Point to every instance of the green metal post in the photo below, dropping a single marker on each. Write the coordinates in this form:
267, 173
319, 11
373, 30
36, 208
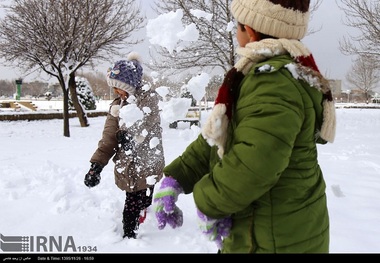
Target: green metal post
18, 88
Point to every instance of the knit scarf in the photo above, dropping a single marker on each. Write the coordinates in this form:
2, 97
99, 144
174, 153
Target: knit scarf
305, 68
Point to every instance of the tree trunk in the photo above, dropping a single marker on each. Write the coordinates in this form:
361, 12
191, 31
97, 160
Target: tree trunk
66, 125
83, 120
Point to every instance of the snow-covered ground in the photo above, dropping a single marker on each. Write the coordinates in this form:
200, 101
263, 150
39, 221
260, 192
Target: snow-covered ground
42, 191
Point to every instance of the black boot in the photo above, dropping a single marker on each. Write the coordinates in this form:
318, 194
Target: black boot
130, 224
129, 234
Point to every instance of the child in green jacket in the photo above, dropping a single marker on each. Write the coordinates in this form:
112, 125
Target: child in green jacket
254, 171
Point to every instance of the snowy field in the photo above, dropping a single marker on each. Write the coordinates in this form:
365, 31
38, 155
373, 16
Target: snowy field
42, 191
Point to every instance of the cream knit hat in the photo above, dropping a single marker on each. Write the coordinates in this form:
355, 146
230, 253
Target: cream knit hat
277, 18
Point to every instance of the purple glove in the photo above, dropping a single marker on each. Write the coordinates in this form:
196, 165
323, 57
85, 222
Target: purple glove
165, 207
214, 229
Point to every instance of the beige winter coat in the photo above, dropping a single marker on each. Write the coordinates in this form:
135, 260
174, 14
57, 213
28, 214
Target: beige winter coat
141, 167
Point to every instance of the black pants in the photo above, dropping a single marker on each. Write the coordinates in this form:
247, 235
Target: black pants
134, 204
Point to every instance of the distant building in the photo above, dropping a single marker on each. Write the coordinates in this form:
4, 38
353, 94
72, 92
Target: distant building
352, 95
336, 87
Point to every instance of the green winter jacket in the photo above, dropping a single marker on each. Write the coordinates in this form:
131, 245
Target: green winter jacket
268, 180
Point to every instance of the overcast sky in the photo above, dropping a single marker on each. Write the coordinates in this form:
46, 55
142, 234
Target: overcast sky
324, 44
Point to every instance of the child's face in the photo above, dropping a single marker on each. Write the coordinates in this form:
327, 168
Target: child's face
121, 93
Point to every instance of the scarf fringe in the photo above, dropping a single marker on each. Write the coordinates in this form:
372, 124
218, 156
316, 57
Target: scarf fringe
329, 121
215, 128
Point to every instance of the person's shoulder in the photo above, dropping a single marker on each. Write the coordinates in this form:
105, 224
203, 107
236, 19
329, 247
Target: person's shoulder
272, 65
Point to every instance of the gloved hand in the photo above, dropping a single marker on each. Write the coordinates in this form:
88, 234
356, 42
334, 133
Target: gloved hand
92, 178
125, 140
165, 208
214, 229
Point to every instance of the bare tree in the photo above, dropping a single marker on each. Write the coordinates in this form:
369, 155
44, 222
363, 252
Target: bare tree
7, 88
363, 75
365, 17
98, 83
61, 36
215, 48
314, 5
35, 88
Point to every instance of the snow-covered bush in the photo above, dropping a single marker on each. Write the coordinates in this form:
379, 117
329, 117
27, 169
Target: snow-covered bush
85, 94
